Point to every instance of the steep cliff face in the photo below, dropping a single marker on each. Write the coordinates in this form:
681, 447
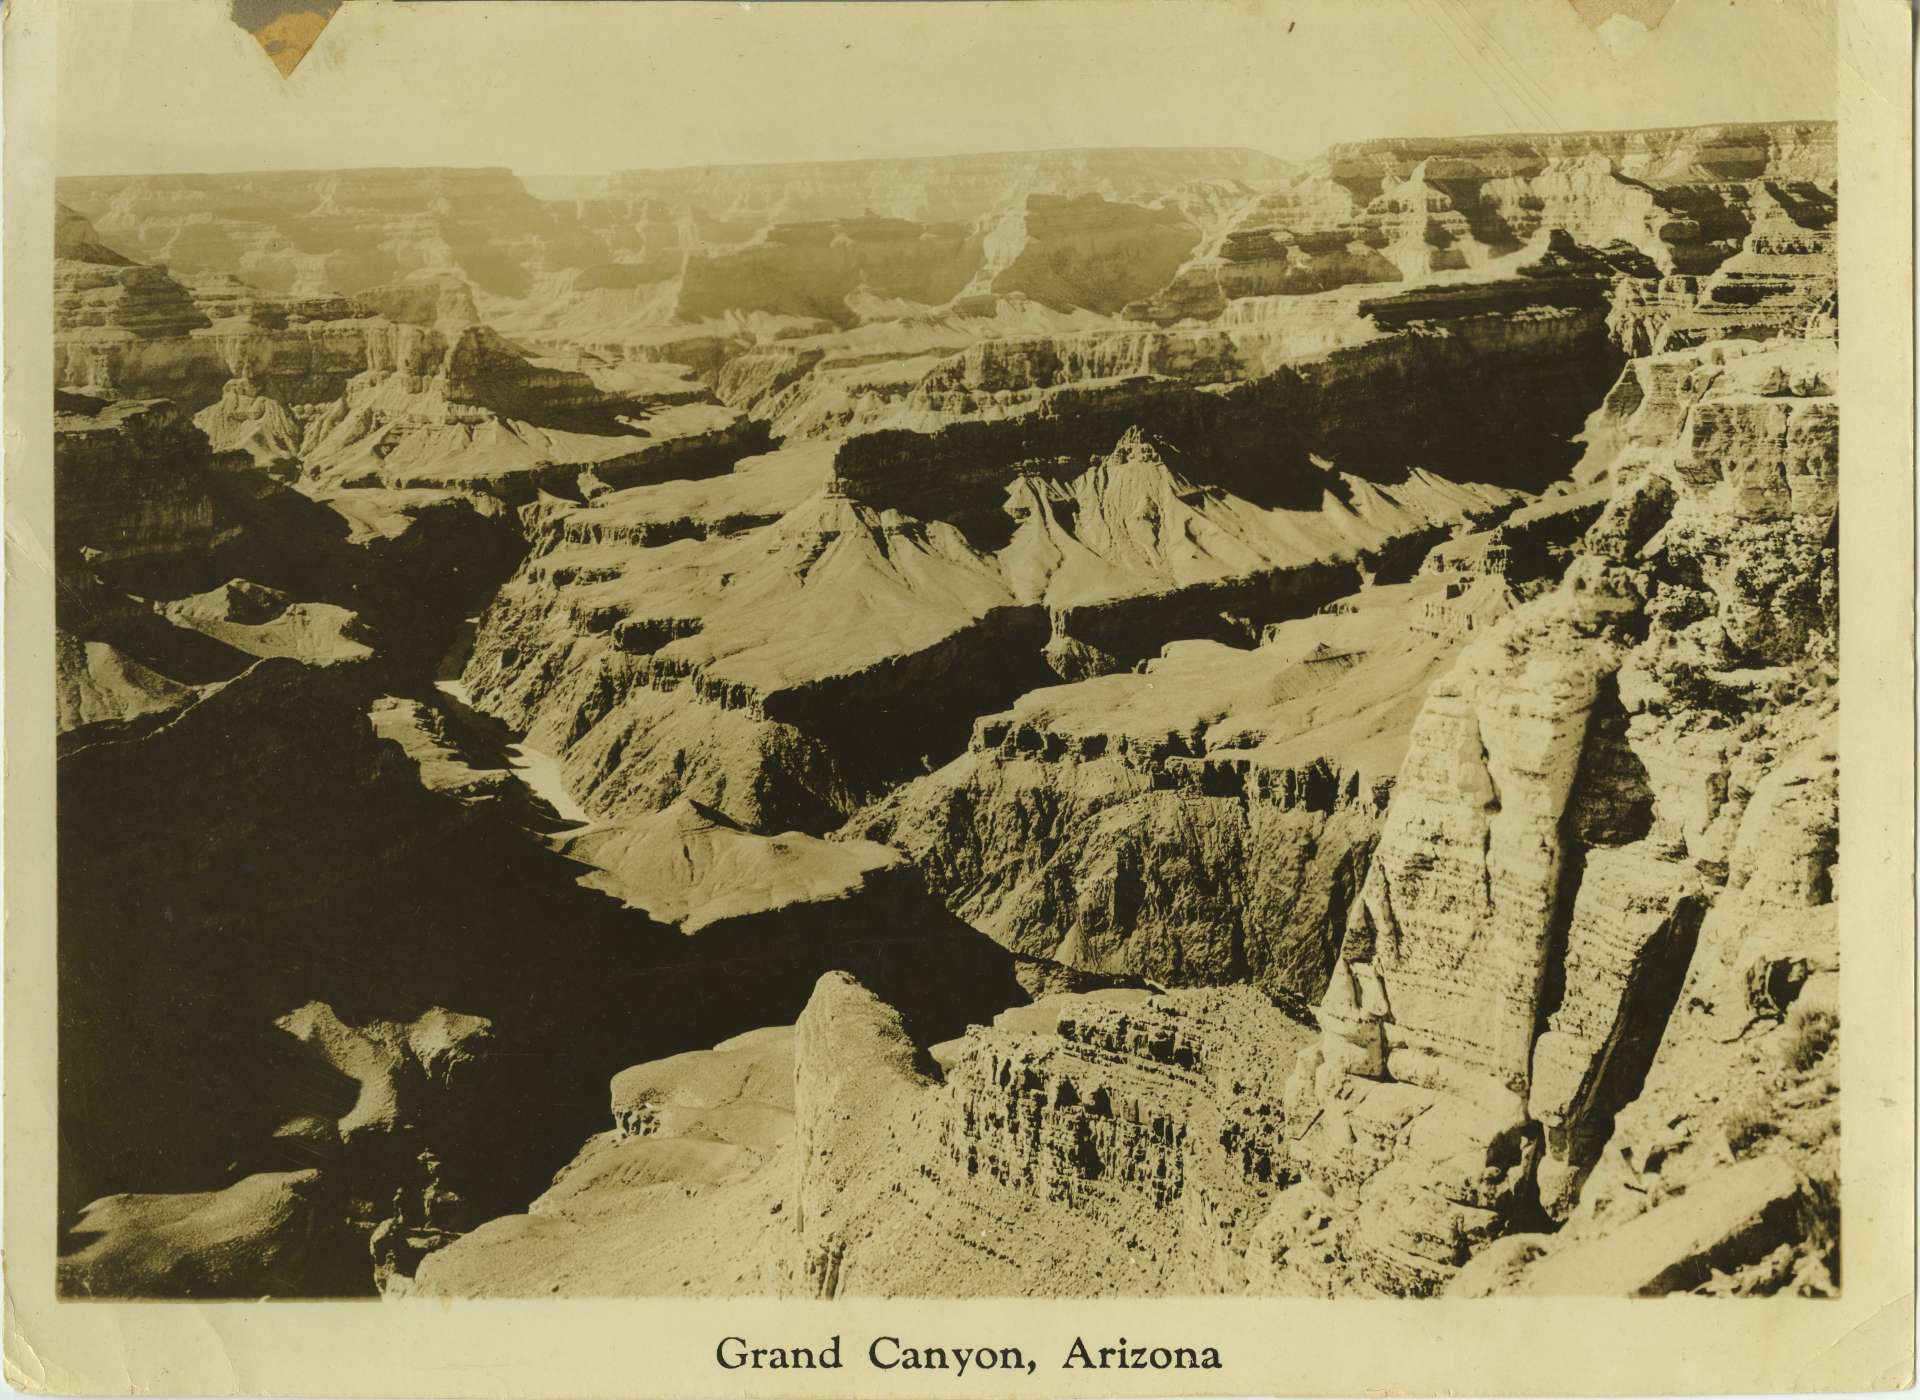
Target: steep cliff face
1091, 1144
888, 593
933, 189
1780, 282
1390, 211
122, 492
1578, 805
1017, 362
649, 675
1374, 409
1101, 1140
756, 696
311, 232
1207, 819
1084, 252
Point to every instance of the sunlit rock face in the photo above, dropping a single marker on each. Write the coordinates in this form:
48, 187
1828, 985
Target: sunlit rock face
1391, 211
1577, 817
1087, 722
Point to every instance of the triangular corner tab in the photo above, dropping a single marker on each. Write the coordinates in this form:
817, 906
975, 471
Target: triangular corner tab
286, 29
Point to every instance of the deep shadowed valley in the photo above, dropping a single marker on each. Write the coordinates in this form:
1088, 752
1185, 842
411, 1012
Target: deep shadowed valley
1154, 721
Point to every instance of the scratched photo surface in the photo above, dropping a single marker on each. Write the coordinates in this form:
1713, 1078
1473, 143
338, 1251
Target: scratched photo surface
1002, 687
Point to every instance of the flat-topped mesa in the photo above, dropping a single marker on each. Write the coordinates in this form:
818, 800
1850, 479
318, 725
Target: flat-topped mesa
1725, 151
809, 270
1086, 252
1072, 260
925, 189
1563, 822
702, 265
690, 867
110, 312
100, 294
342, 231
423, 299
1014, 378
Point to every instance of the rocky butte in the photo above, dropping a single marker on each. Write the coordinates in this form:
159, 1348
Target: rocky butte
1074, 722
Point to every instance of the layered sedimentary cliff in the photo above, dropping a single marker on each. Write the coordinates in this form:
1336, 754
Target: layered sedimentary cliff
948, 188
1099, 570
1578, 809
1390, 211
1578, 1027
316, 232
1205, 820
1112, 517
1073, 722
1091, 1144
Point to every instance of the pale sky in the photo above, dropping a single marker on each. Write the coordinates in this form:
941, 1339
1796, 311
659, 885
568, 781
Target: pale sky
563, 86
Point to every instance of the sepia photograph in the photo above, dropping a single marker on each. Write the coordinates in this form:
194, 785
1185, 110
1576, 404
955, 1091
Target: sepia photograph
1044, 676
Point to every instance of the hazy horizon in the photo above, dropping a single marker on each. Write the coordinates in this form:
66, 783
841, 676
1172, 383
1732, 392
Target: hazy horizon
556, 175
483, 85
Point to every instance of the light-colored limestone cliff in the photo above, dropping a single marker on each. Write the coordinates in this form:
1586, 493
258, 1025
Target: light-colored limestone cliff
1577, 823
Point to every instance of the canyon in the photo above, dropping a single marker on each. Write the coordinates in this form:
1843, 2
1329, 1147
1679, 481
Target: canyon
1070, 722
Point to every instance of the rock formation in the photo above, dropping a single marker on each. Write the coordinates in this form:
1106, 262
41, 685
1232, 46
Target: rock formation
1578, 804
1090, 1144
1089, 722
1397, 210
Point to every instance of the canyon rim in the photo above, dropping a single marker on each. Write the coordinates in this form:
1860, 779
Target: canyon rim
905, 712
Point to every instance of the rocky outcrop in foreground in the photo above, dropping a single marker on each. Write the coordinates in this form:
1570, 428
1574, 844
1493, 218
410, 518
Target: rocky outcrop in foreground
1056, 723
1090, 1144
1626, 776
1578, 1030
